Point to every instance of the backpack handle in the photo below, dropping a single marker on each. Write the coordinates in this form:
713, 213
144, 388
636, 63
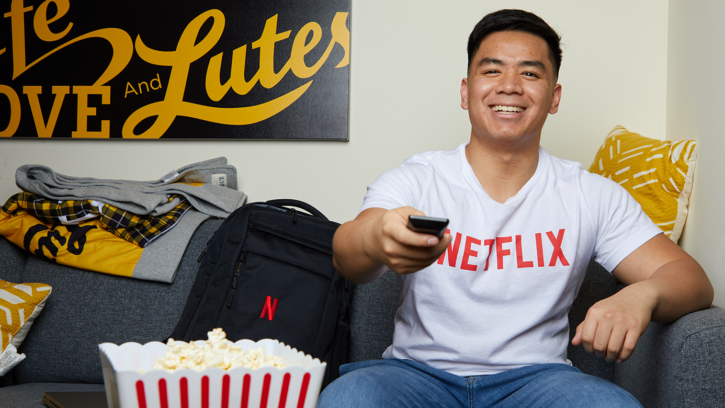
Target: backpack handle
299, 204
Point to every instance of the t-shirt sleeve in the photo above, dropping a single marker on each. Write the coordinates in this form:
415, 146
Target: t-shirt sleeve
622, 225
395, 188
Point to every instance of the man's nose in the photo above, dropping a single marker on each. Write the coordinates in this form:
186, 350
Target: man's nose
510, 83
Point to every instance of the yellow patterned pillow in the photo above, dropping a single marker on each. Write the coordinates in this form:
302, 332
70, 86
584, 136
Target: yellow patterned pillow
658, 174
20, 304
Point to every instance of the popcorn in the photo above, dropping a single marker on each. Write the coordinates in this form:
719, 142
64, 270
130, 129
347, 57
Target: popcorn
215, 352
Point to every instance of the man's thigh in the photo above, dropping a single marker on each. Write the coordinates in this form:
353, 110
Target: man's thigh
403, 383
564, 386
387, 384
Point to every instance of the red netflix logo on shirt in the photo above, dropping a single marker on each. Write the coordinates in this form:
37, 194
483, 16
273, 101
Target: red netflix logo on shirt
504, 246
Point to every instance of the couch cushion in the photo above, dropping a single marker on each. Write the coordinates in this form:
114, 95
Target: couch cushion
31, 395
372, 312
12, 261
89, 308
374, 305
598, 284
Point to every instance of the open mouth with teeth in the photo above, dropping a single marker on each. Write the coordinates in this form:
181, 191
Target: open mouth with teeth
507, 109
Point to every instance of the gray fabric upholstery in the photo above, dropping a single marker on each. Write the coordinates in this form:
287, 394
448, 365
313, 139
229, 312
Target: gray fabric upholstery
676, 365
374, 306
372, 311
597, 285
31, 395
12, 261
12, 264
681, 364
97, 308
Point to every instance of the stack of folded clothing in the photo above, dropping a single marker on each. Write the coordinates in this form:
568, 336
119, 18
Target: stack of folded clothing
137, 229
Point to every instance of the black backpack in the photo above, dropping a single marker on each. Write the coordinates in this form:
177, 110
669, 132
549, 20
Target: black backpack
267, 273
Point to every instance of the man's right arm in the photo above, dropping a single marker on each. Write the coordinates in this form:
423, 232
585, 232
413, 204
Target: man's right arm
378, 239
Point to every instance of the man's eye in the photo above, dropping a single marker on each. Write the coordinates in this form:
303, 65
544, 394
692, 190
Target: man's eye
490, 71
530, 74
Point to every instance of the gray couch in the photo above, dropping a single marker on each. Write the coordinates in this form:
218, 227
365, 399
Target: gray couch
675, 365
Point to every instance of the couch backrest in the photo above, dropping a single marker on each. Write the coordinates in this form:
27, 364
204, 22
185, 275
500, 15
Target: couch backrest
12, 261
598, 284
374, 305
88, 308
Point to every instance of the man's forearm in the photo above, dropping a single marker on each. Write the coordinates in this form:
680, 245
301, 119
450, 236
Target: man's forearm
350, 254
678, 287
379, 239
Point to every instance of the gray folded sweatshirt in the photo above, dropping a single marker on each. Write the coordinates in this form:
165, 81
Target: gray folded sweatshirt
217, 197
143, 197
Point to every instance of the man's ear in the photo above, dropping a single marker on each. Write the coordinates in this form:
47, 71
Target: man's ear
464, 93
555, 99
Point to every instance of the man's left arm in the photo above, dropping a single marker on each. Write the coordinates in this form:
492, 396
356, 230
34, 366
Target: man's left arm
663, 284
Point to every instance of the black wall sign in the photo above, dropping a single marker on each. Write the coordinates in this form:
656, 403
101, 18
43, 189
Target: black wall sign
174, 69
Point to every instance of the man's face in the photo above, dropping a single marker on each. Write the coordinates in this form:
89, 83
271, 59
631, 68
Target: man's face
510, 89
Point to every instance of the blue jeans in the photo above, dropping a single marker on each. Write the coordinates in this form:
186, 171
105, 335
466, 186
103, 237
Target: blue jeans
406, 383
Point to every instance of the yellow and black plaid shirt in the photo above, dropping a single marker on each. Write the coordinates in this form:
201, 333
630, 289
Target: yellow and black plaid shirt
137, 229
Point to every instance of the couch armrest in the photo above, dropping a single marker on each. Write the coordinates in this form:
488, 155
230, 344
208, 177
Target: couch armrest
681, 364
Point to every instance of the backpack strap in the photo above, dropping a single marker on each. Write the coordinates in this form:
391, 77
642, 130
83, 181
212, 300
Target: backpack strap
299, 204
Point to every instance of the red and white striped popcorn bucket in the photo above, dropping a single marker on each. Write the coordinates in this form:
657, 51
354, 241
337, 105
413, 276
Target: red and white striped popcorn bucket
295, 386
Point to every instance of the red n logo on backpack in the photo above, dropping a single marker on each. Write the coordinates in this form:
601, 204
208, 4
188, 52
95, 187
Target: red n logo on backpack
269, 308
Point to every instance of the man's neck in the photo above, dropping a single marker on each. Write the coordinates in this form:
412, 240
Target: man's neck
502, 171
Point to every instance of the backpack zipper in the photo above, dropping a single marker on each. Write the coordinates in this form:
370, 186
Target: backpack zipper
203, 252
230, 296
294, 215
235, 279
195, 318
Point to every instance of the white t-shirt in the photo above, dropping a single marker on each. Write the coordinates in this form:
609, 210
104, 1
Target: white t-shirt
498, 298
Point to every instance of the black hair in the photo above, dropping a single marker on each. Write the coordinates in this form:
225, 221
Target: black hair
516, 20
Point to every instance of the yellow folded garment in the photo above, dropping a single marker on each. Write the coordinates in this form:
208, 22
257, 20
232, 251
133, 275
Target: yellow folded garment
137, 229
86, 245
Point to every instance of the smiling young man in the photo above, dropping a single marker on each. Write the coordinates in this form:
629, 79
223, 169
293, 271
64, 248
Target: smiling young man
483, 315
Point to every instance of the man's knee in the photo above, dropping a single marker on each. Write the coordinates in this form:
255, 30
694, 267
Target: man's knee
602, 393
575, 389
358, 388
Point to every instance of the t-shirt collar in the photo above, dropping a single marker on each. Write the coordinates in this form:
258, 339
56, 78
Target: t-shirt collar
470, 176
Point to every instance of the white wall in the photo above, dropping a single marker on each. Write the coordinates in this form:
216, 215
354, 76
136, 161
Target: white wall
408, 58
695, 105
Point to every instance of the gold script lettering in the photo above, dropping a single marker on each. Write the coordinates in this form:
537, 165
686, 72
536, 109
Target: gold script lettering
340, 35
41, 20
122, 52
43, 129
14, 111
120, 42
17, 29
266, 75
84, 111
189, 50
